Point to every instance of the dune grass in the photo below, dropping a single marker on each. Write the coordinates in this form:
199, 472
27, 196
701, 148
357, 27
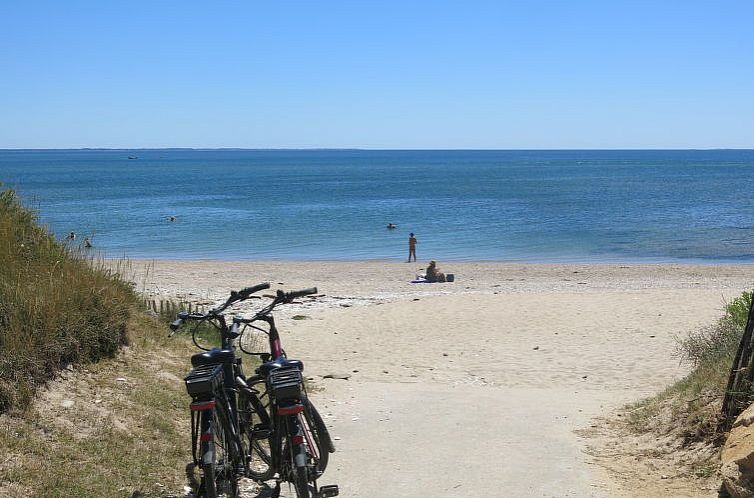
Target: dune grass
80, 415
92, 398
115, 428
57, 307
689, 410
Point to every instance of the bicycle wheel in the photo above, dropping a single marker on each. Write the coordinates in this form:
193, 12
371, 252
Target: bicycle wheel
301, 473
256, 435
316, 432
218, 479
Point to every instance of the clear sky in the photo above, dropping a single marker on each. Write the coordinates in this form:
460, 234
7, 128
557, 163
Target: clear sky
377, 74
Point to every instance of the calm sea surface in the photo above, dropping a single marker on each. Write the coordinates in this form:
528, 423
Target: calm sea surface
600, 206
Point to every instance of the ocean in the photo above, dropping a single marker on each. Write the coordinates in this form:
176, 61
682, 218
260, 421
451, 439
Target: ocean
628, 206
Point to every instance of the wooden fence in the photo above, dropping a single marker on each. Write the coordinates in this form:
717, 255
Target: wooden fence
168, 308
738, 392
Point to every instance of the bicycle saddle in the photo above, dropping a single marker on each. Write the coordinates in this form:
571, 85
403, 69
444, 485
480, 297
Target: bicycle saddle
265, 368
214, 355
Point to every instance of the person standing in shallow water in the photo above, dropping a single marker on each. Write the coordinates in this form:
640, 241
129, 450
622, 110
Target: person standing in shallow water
411, 247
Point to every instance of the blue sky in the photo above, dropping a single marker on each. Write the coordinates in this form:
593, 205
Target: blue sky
409, 74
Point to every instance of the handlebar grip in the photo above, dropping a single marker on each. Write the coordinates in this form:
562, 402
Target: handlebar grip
301, 293
254, 288
176, 324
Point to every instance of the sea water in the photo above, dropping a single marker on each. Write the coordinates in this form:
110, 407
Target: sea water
575, 206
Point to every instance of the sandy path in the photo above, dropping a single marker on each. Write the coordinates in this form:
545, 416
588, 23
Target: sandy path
477, 386
496, 415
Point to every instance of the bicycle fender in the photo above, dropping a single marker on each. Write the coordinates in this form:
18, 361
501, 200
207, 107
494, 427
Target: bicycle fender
300, 459
209, 455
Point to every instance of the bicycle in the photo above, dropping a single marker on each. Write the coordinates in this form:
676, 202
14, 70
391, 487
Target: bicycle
224, 408
288, 435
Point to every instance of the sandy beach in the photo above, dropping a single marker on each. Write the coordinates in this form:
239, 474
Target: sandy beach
476, 387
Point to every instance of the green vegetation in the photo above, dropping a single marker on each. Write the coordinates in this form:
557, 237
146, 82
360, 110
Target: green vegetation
57, 307
710, 345
689, 410
113, 420
126, 434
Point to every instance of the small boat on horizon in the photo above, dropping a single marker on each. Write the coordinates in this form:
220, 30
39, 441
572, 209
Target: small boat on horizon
133, 157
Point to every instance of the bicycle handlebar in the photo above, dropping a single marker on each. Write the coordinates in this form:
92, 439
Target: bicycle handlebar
248, 291
181, 317
235, 296
243, 294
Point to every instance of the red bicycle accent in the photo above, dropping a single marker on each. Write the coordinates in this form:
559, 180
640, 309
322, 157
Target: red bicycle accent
277, 349
202, 405
290, 410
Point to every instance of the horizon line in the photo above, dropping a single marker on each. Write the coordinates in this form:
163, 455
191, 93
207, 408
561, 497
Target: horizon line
460, 149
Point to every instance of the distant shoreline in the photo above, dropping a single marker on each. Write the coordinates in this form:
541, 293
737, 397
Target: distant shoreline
503, 262
367, 149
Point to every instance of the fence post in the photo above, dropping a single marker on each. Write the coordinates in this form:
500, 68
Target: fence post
742, 363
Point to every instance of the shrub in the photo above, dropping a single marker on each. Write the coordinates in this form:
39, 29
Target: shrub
719, 341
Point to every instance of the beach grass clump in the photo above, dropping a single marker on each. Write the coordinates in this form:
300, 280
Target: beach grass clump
709, 345
688, 412
57, 306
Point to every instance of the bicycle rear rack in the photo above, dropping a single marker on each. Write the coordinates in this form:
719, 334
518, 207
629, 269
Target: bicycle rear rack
285, 383
204, 380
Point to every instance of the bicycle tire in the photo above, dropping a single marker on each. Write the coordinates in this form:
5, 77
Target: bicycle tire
217, 469
207, 487
320, 434
258, 450
301, 474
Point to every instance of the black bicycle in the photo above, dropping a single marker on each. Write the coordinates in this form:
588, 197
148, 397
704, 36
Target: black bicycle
253, 427
288, 436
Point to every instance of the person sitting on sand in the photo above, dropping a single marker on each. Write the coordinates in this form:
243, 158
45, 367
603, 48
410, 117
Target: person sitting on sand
87, 243
432, 274
71, 236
